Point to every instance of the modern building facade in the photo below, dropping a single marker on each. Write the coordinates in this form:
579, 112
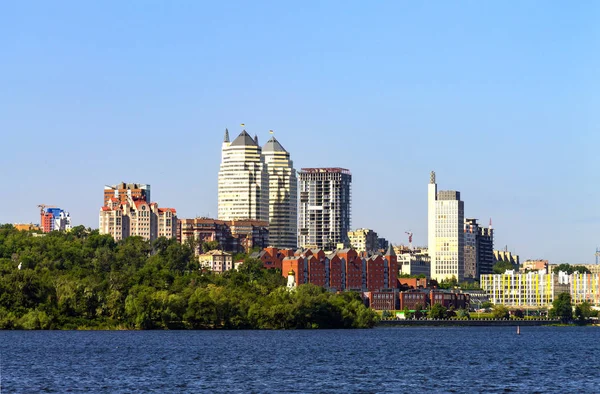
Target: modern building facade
364, 240
415, 263
445, 232
243, 186
54, 219
283, 196
124, 191
531, 289
471, 238
485, 250
325, 207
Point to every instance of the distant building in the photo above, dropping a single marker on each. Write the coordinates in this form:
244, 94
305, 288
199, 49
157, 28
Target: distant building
325, 201
232, 235
445, 233
243, 185
55, 219
585, 288
364, 240
534, 265
343, 269
283, 196
504, 255
471, 241
415, 263
532, 289
26, 227
124, 191
485, 250
137, 218
272, 257
216, 260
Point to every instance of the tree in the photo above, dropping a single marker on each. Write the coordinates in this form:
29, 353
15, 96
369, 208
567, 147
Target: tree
437, 311
562, 308
569, 269
501, 266
518, 313
584, 311
210, 245
500, 312
487, 305
463, 314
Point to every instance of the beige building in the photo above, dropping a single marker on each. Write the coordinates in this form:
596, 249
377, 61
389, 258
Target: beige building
283, 196
415, 262
137, 218
445, 232
363, 240
504, 255
216, 261
534, 265
243, 186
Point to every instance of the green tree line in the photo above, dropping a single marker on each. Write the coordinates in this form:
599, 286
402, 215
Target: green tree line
84, 280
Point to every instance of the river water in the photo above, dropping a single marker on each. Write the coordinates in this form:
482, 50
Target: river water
381, 360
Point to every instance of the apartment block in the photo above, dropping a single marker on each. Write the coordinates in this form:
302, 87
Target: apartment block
54, 219
531, 289
343, 269
364, 240
125, 191
216, 261
325, 207
415, 262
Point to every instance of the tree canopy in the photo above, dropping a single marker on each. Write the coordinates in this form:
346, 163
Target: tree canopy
562, 308
81, 279
569, 269
501, 266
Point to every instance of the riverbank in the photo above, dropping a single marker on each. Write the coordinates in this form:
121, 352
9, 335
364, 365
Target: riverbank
467, 323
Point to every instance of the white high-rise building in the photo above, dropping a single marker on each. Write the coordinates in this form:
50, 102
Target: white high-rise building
325, 202
445, 232
283, 200
243, 190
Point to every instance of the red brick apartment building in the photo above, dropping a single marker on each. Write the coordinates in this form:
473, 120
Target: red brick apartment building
343, 269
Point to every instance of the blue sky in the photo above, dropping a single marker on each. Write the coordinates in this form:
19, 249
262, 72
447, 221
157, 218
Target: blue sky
500, 99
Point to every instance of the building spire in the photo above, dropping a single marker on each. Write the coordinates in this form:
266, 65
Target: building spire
432, 177
256, 138
226, 139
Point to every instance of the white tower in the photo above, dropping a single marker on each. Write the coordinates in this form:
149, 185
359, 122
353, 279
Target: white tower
243, 181
283, 201
291, 282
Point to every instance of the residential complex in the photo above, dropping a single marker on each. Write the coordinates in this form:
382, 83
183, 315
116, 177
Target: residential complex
343, 269
54, 219
534, 265
445, 233
479, 249
364, 240
283, 197
243, 186
415, 262
514, 289
137, 217
124, 191
216, 260
505, 255
325, 202
232, 235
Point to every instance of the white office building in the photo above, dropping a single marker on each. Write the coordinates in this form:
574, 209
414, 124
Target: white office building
445, 232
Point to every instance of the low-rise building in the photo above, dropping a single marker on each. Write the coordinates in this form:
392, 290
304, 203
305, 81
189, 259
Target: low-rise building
534, 265
363, 240
415, 263
216, 260
26, 227
232, 235
514, 289
505, 255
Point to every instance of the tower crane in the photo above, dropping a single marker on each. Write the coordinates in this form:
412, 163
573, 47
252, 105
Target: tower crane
410, 235
44, 206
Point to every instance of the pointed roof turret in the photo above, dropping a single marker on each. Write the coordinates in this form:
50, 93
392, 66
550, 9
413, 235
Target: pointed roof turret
390, 251
243, 139
226, 139
273, 146
256, 139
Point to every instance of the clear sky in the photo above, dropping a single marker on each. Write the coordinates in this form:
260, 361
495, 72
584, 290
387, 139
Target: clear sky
500, 99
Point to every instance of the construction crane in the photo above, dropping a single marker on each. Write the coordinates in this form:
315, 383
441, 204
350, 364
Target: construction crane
44, 206
410, 234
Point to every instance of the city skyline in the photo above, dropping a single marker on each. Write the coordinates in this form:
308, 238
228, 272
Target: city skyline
505, 115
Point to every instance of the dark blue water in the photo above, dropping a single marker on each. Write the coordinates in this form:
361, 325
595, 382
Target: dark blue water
398, 360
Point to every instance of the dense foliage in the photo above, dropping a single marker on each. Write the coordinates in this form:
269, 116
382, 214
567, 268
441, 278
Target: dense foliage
569, 269
502, 266
82, 279
562, 308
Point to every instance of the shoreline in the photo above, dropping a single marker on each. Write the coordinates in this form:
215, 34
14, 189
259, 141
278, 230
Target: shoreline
466, 323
